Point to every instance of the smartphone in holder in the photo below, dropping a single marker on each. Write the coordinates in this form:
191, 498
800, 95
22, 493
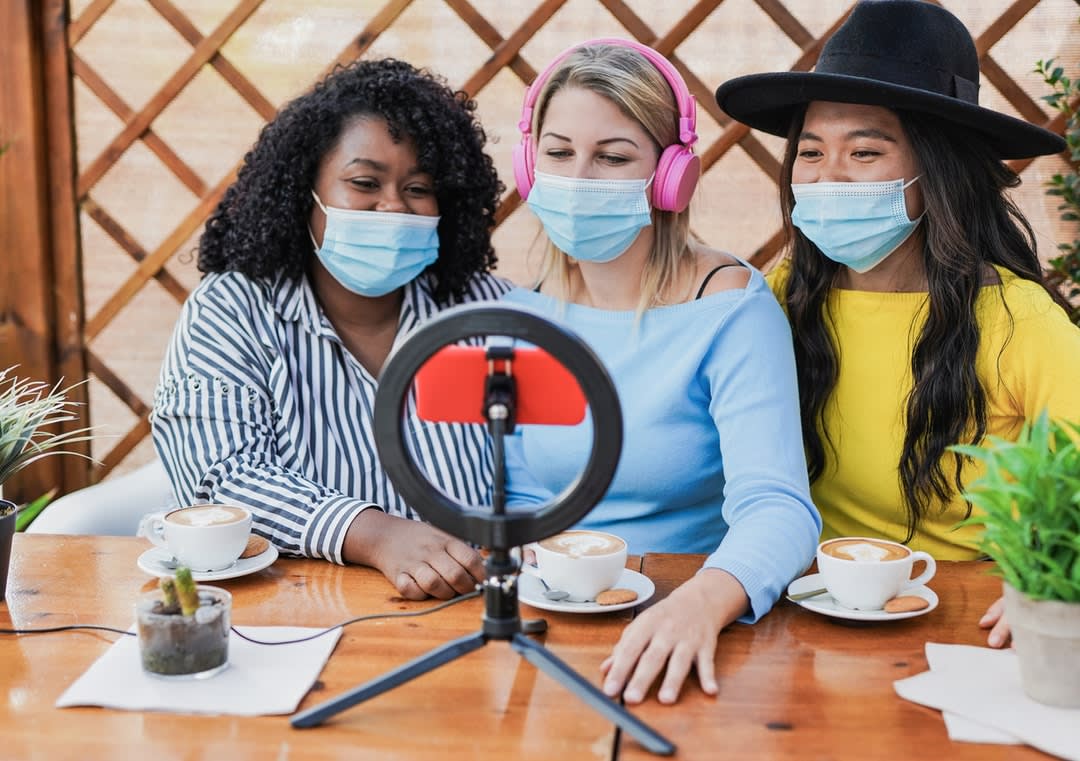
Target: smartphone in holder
450, 387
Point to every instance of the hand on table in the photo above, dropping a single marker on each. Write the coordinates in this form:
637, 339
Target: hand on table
679, 632
994, 620
419, 560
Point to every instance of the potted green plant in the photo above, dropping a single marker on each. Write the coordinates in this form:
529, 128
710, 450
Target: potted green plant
183, 628
27, 410
1028, 503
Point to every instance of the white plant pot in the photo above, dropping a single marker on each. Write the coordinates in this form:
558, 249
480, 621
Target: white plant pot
1046, 637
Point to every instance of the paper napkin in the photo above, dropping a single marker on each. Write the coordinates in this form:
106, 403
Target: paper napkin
983, 686
960, 728
261, 679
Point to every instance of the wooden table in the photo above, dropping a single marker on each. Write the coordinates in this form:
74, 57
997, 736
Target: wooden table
798, 685
794, 686
489, 704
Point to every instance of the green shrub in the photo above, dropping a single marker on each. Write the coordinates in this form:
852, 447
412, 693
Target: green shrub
1065, 272
1028, 503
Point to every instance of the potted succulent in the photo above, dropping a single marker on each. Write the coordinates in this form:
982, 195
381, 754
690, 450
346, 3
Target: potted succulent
184, 628
27, 409
1028, 503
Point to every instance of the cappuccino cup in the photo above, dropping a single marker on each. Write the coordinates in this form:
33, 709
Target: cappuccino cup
201, 537
581, 563
864, 573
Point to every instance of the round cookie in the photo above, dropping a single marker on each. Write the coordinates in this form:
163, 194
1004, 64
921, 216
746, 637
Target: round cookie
256, 545
616, 596
906, 604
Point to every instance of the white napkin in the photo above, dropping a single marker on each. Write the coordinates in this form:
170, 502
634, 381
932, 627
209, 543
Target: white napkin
261, 679
961, 728
983, 686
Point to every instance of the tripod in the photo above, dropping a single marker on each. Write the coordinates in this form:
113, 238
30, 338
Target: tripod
501, 620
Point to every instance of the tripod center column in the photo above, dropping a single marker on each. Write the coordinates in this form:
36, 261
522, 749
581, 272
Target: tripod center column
501, 617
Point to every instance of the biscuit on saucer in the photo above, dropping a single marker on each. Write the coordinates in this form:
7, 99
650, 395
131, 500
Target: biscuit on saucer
256, 545
906, 604
616, 596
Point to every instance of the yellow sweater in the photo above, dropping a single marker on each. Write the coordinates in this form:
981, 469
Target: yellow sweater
1039, 367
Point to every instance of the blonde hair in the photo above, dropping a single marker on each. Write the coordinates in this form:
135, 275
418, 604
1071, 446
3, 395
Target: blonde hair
626, 78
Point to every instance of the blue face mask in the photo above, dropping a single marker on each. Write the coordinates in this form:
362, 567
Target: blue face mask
591, 220
375, 252
857, 224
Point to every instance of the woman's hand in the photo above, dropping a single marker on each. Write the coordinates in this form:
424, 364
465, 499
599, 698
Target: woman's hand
679, 632
419, 560
994, 620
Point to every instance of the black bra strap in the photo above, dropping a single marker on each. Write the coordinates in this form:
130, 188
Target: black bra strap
705, 282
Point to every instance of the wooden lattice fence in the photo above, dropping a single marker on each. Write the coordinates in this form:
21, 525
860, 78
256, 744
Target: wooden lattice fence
128, 119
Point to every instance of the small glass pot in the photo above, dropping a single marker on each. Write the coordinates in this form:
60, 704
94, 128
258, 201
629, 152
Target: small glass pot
175, 646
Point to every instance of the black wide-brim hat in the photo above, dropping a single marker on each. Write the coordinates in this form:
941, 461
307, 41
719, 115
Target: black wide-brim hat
901, 54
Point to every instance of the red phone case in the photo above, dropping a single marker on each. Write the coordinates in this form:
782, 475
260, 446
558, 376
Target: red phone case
450, 387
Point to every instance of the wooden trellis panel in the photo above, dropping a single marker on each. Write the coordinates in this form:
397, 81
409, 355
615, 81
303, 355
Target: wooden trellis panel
510, 40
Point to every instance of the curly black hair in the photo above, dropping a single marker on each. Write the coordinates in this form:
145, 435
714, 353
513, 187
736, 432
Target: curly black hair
260, 228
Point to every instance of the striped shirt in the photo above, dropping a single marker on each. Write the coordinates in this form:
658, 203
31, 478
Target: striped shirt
260, 404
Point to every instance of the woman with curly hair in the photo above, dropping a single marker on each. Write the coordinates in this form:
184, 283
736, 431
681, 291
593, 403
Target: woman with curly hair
913, 287
364, 208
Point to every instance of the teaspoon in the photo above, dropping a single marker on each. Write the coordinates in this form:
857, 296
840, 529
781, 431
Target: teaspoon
553, 594
807, 595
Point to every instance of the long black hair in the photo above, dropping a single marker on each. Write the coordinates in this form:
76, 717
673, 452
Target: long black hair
970, 222
260, 228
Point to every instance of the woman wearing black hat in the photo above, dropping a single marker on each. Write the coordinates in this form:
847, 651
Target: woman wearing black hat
914, 291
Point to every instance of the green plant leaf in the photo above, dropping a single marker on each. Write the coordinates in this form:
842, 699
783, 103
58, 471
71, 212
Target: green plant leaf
27, 409
1063, 92
1027, 503
33, 509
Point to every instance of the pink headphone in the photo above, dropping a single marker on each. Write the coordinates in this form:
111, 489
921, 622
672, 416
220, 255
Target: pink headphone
677, 171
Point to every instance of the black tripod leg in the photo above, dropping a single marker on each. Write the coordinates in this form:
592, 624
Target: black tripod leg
428, 662
557, 669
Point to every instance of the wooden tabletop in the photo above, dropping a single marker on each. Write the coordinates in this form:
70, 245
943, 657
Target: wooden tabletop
489, 704
796, 685
801, 686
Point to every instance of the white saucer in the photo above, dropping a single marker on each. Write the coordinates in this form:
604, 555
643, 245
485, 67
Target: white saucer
159, 562
827, 606
531, 592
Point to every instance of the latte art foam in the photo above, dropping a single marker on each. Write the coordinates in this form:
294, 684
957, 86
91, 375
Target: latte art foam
864, 551
211, 515
582, 544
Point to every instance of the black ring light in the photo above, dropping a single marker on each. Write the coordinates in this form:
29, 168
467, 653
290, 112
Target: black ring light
479, 526
494, 528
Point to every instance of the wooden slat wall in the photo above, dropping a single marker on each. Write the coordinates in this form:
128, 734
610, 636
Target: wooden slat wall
45, 326
40, 292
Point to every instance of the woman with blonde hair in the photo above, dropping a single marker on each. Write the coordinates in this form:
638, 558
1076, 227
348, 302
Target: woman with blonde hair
698, 348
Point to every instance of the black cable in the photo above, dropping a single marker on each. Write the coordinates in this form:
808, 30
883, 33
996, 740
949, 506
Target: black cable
369, 617
66, 628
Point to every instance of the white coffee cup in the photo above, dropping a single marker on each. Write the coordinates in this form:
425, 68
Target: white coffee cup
581, 563
864, 573
201, 537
